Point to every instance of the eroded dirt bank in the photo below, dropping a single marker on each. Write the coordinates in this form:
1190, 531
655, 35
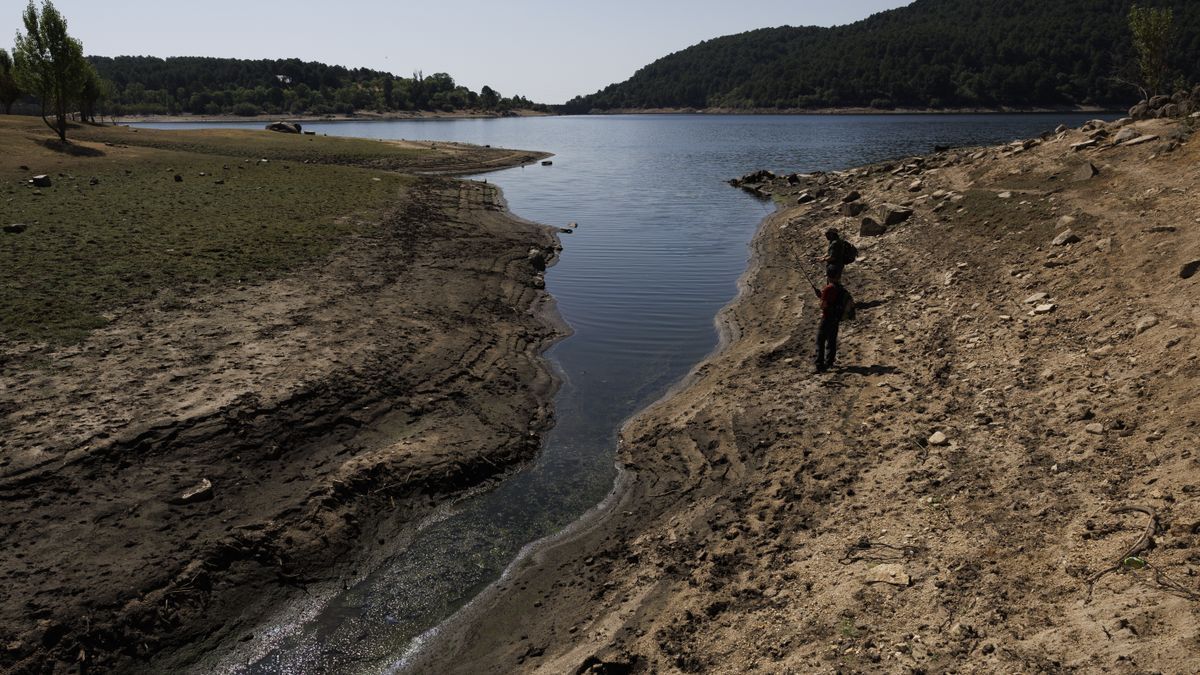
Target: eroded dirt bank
1014, 413
308, 417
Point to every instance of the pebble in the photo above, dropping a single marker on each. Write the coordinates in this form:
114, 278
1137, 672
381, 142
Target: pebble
938, 438
1094, 428
1036, 297
1146, 323
1005, 195
1044, 309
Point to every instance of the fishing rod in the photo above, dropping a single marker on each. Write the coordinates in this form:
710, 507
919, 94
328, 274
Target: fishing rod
802, 271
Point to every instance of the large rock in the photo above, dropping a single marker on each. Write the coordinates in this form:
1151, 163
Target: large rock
852, 209
1171, 110
851, 196
871, 228
890, 214
284, 127
1189, 270
18, 228
1159, 101
42, 181
1086, 171
1140, 111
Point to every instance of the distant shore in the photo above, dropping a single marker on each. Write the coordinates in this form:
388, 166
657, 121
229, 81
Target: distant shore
857, 111
356, 117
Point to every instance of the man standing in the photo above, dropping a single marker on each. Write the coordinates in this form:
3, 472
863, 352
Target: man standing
840, 253
833, 298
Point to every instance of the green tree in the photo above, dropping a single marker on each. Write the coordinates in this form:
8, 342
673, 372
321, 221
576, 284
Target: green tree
92, 93
49, 63
488, 98
1153, 31
9, 91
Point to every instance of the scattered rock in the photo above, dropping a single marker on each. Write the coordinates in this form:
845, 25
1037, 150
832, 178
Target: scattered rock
890, 214
1061, 129
805, 197
1066, 237
1104, 245
1189, 270
852, 196
1140, 140
94, 181
1036, 297
15, 228
1084, 144
1145, 323
871, 228
42, 181
852, 209
1086, 171
1125, 135
1044, 309
890, 573
1005, 195
938, 438
547, 162
916, 186
1066, 221
201, 492
178, 178
1094, 428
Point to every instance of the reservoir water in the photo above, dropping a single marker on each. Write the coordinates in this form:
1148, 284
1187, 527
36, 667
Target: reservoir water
661, 243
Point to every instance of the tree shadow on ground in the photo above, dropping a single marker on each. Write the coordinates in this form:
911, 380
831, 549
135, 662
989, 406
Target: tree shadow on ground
69, 148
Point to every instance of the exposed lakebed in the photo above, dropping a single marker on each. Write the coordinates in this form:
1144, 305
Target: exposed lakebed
660, 244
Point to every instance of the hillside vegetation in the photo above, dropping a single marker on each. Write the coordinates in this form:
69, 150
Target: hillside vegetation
930, 54
213, 86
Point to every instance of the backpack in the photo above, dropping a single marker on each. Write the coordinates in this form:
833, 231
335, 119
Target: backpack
847, 311
845, 253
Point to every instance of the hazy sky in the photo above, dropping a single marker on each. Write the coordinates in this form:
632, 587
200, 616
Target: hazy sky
546, 50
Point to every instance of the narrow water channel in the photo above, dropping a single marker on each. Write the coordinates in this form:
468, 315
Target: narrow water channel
661, 242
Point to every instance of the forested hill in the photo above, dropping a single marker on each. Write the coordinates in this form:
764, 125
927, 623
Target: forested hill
201, 85
932, 53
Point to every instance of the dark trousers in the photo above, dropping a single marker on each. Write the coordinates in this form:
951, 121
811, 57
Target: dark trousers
827, 342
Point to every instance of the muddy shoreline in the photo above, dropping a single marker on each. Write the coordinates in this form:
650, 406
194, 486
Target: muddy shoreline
774, 520
187, 470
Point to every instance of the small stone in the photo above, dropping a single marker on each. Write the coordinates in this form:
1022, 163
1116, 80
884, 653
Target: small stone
890, 214
805, 197
1189, 270
890, 573
1005, 195
1044, 309
938, 438
851, 196
1036, 297
851, 209
94, 181
1066, 222
1066, 237
916, 186
1145, 323
42, 181
1140, 140
178, 178
1125, 135
201, 492
1094, 428
16, 228
1083, 144
1104, 245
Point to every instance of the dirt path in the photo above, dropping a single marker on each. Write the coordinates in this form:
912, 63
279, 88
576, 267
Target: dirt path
775, 520
319, 413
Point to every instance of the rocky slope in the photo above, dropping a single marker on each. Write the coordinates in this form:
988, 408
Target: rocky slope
1015, 414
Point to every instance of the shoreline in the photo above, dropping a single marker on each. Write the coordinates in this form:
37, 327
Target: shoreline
717, 553
325, 410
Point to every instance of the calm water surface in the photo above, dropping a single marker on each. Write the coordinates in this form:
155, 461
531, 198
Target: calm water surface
661, 242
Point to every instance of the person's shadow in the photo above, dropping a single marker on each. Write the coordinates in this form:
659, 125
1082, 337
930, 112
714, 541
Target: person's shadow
876, 369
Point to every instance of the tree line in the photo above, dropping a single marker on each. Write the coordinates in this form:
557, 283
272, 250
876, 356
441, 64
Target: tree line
216, 86
48, 71
930, 54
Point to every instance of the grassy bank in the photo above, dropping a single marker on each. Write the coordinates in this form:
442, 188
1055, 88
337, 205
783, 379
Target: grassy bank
116, 227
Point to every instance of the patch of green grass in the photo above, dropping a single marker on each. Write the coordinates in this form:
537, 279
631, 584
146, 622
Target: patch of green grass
137, 232
253, 144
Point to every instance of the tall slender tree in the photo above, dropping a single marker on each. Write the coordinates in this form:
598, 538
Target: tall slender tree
1153, 31
9, 90
49, 63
